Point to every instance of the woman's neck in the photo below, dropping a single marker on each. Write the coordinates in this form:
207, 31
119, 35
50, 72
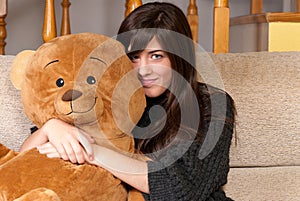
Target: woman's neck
159, 100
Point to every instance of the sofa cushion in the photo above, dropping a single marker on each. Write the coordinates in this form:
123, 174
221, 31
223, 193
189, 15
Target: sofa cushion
272, 183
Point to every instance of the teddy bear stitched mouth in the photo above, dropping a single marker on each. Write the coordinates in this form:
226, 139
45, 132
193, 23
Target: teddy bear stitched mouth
81, 112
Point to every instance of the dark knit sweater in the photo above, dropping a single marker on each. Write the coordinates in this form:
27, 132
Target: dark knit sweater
198, 168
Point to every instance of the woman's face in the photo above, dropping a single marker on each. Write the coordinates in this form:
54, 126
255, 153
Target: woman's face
153, 68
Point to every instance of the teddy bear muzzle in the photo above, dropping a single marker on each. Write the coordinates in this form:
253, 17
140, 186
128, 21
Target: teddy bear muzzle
79, 105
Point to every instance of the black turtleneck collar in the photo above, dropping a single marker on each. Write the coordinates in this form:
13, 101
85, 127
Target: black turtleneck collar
159, 100
145, 119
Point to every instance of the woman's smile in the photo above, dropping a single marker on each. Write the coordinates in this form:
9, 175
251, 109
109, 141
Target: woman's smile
147, 82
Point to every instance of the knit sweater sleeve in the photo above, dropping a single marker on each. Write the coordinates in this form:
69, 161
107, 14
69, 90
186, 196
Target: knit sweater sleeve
199, 173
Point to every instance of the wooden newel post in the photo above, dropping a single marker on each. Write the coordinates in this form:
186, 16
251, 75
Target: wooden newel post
3, 34
130, 5
192, 16
49, 27
65, 22
221, 26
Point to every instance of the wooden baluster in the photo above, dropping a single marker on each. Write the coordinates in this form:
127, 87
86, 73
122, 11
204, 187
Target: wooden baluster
65, 23
221, 26
49, 27
298, 6
130, 5
3, 13
2, 34
256, 6
192, 17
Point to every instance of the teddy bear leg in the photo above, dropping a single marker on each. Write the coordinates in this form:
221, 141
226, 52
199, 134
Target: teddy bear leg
6, 154
135, 195
39, 194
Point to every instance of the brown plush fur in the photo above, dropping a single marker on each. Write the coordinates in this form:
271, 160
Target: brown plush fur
100, 95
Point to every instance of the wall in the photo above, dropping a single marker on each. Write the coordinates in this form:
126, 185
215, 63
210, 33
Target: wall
25, 19
284, 36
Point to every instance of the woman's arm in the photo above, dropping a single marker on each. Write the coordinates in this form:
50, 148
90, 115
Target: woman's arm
59, 139
131, 171
35, 139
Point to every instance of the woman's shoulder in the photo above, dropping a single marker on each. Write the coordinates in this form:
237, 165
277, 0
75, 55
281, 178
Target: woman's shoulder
210, 89
215, 101
206, 91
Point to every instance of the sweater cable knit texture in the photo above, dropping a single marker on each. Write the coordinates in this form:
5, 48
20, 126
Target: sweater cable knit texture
192, 177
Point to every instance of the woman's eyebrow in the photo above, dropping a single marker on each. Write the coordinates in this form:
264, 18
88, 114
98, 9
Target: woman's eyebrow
156, 50
98, 59
51, 62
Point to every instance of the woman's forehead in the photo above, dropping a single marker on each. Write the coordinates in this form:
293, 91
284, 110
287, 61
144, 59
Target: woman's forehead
154, 44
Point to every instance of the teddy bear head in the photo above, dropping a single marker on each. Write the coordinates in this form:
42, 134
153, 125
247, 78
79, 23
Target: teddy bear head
83, 79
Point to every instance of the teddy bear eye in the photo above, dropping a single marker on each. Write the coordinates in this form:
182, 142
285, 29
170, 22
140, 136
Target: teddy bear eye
60, 82
91, 80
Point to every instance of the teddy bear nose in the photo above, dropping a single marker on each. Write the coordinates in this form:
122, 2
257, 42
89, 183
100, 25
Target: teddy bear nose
71, 95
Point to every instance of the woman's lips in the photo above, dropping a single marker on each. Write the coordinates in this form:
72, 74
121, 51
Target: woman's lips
148, 82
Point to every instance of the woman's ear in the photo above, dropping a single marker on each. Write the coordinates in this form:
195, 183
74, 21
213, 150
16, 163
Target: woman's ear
19, 66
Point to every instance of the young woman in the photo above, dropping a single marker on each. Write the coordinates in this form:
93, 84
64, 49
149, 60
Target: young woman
186, 128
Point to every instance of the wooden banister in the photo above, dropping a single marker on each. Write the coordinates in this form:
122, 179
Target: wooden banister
65, 22
192, 16
3, 13
49, 27
221, 26
130, 5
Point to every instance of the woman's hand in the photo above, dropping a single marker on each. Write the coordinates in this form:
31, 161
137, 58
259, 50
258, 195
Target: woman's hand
64, 141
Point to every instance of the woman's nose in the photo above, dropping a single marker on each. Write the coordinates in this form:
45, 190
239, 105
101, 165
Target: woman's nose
144, 70
144, 67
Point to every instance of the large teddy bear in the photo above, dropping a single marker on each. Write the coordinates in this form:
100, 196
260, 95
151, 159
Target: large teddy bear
86, 80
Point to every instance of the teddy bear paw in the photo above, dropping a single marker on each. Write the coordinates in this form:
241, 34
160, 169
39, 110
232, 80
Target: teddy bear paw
39, 194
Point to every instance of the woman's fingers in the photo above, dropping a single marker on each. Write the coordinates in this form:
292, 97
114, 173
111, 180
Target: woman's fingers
73, 151
67, 152
53, 155
78, 153
47, 148
68, 141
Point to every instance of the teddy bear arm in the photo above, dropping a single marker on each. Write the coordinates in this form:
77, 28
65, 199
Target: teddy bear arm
6, 154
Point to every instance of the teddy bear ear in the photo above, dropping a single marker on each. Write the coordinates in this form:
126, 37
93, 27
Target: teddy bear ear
109, 51
18, 67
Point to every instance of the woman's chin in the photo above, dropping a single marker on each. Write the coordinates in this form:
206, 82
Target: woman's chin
154, 91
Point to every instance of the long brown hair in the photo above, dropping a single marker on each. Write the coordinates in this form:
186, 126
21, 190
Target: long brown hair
168, 24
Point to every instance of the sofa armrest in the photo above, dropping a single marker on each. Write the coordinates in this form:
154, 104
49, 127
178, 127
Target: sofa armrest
14, 126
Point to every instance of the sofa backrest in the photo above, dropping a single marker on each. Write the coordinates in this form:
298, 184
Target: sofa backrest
265, 163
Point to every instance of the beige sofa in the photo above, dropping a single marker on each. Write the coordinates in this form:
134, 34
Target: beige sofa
265, 155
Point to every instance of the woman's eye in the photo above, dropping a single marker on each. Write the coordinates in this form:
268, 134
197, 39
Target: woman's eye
134, 57
91, 80
156, 56
60, 82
